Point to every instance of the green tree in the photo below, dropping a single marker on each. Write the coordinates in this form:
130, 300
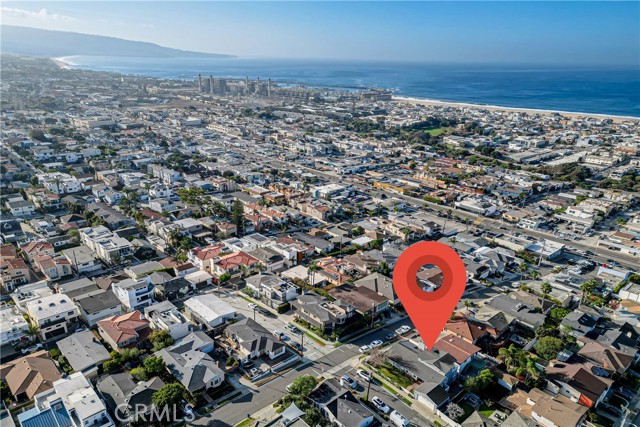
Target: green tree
545, 287
129, 354
558, 313
237, 216
169, 394
587, 288
304, 385
160, 339
139, 374
33, 331
549, 347
154, 365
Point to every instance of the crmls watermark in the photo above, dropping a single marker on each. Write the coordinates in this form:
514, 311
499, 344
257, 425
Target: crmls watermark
141, 412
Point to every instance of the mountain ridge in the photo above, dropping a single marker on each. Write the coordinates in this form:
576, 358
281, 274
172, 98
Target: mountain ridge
51, 43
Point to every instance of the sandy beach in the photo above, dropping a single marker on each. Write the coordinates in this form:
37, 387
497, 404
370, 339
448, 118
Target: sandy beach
419, 101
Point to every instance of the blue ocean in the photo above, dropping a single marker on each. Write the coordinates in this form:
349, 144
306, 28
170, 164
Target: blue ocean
600, 90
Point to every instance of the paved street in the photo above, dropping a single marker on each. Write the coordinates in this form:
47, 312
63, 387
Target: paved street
268, 393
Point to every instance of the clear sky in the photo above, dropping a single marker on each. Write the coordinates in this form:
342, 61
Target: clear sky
576, 32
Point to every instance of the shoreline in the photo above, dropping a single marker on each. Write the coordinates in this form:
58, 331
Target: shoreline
434, 102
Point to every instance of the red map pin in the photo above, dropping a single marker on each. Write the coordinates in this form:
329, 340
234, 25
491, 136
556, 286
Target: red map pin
429, 311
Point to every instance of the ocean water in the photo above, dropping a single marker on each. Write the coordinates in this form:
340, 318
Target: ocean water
601, 90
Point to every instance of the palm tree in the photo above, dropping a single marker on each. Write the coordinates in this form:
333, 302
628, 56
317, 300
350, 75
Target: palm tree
587, 288
311, 274
533, 274
522, 268
509, 355
33, 331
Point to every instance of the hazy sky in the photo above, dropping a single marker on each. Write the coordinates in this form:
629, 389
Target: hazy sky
599, 33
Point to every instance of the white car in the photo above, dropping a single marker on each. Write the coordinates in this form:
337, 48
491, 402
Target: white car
365, 348
402, 330
31, 349
375, 344
379, 403
364, 375
253, 306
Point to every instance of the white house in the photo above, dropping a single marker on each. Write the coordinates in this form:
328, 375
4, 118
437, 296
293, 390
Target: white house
134, 293
52, 314
209, 310
165, 316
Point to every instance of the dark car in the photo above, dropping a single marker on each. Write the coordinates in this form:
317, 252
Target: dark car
296, 345
611, 410
389, 336
265, 312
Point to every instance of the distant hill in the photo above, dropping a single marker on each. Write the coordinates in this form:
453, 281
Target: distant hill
37, 42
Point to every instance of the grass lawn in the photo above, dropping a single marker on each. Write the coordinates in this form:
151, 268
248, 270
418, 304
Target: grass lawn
437, 131
245, 423
486, 411
395, 375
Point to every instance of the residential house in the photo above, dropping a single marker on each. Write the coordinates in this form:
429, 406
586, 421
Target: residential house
582, 383
72, 402
209, 310
13, 326
30, 375
165, 316
195, 370
237, 264
340, 406
53, 314
380, 284
126, 398
134, 294
271, 288
108, 246
13, 273
83, 260
608, 358
323, 313
254, 341
84, 352
124, 331
53, 268
365, 301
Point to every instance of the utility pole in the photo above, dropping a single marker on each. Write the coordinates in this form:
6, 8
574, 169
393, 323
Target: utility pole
369, 386
373, 306
302, 343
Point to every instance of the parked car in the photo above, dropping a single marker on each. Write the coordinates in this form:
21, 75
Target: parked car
380, 405
365, 348
364, 375
280, 335
398, 419
389, 336
293, 328
254, 372
375, 343
403, 330
347, 381
296, 345
31, 349
253, 306
288, 388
